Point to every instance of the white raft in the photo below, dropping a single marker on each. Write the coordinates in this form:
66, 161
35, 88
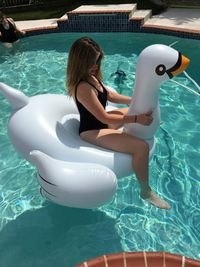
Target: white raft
71, 172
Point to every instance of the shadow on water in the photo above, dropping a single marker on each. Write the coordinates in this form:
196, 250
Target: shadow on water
57, 236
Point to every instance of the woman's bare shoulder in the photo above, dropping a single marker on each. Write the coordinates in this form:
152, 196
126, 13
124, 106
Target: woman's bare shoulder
83, 84
82, 87
85, 90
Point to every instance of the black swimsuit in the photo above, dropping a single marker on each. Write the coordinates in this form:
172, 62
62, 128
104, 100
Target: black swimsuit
87, 120
8, 35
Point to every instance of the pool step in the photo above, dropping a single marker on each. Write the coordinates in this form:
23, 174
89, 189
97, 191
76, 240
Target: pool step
104, 18
130, 9
104, 9
142, 15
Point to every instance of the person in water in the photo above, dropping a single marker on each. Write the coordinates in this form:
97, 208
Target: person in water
9, 33
100, 127
120, 76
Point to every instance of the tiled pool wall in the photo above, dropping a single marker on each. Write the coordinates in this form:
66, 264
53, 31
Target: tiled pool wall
113, 22
110, 22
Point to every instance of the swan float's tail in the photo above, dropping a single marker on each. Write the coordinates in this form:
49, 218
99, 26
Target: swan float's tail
16, 98
83, 185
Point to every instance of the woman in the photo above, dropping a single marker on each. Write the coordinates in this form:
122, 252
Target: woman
99, 127
9, 31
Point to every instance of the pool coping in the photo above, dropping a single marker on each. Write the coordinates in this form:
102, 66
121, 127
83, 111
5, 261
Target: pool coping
73, 21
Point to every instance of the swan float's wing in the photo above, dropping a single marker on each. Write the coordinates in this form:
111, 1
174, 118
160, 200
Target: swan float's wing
82, 185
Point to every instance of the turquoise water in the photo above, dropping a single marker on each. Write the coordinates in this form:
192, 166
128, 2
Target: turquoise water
34, 232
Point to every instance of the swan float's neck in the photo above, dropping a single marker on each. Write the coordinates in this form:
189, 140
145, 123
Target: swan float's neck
145, 97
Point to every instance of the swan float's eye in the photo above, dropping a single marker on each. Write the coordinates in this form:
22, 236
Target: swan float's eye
160, 69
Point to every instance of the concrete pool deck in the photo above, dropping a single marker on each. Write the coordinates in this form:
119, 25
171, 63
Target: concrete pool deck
182, 19
175, 19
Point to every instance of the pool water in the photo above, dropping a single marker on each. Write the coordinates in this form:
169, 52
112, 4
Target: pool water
34, 232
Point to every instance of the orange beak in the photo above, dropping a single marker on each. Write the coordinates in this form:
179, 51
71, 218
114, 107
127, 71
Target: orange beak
179, 67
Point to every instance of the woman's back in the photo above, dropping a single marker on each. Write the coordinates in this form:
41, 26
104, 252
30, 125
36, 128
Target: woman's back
87, 120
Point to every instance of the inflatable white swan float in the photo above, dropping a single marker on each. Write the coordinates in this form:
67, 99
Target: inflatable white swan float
71, 172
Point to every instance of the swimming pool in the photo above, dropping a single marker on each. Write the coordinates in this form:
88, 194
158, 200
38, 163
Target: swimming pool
38, 233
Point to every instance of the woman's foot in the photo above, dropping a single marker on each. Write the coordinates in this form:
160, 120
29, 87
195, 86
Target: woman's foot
156, 201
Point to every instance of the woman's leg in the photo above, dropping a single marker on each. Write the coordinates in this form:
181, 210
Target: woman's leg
139, 150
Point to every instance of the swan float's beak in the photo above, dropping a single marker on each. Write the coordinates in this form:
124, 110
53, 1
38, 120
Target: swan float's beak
180, 66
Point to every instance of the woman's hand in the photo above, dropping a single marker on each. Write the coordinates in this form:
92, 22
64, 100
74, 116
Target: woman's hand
23, 33
144, 119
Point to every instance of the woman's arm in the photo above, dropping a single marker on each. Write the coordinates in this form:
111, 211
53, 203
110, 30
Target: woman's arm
118, 98
20, 31
16, 28
88, 98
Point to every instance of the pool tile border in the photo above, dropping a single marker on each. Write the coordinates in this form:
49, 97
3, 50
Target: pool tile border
179, 32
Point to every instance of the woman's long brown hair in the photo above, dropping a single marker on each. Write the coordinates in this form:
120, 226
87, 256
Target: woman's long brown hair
82, 57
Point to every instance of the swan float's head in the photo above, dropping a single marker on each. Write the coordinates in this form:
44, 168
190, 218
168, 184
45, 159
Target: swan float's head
161, 62
156, 63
